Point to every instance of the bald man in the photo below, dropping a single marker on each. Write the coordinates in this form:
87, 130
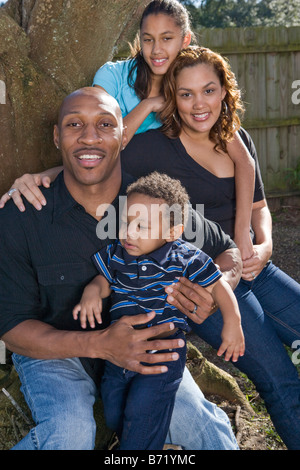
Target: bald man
45, 265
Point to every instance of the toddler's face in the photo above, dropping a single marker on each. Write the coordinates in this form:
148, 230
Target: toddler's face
143, 226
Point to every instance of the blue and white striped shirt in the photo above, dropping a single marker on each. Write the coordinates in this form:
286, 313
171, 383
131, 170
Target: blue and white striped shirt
138, 283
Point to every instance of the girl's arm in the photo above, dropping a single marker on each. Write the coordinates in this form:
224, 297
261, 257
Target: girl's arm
27, 185
244, 182
262, 250
137, 116
134, 119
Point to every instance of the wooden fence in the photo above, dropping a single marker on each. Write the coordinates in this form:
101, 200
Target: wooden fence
266, 62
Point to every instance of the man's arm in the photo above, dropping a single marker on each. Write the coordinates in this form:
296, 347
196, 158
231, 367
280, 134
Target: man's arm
120, 343
185, 294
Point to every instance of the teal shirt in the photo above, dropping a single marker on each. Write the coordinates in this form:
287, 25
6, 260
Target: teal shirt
113, 77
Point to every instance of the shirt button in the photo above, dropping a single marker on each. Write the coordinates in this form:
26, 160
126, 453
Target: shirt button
144, 268
62, 278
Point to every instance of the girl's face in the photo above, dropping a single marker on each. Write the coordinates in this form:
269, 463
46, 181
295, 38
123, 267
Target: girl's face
199, 96
161, 40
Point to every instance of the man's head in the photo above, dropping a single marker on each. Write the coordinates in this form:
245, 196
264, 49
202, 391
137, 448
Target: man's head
90, 136
156, 213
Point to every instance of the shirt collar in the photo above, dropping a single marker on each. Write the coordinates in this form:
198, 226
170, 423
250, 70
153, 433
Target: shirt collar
64, 202
160, 255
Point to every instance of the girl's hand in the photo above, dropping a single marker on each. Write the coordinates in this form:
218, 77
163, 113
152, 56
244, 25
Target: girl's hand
156, 103
27, 186
244, 244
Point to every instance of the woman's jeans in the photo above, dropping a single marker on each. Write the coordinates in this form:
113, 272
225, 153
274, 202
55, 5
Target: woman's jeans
139, 407
61, 395
270, 311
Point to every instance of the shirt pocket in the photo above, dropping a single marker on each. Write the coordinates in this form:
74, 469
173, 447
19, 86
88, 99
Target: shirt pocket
63, 274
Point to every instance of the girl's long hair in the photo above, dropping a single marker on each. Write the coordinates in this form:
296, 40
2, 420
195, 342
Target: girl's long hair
172, 8
229, 121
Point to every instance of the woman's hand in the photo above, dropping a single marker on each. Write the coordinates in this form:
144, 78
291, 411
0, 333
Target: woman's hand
27, 186
253, 266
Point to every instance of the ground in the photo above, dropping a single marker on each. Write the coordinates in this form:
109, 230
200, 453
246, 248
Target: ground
253, 432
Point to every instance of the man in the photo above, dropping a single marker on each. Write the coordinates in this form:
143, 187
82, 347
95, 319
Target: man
45, 265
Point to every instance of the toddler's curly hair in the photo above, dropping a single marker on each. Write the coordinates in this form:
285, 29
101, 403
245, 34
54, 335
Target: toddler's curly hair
160, 186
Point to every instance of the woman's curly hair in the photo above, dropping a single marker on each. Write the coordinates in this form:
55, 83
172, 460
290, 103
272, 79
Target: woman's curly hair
229, 121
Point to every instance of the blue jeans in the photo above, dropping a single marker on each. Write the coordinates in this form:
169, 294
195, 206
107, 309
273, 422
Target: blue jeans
139, 407
270, 310
61, 395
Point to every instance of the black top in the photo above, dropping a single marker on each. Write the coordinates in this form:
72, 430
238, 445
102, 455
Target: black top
46, 259
153, 151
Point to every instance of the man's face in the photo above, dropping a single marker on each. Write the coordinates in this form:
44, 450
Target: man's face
90, 137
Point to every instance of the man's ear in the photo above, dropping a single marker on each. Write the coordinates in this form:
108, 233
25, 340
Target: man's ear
175, 232
56, 136
124, 138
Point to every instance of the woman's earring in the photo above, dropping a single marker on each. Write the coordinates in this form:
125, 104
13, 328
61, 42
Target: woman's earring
224, 108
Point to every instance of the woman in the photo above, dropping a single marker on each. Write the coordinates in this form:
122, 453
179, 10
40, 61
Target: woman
191, 148
137, 86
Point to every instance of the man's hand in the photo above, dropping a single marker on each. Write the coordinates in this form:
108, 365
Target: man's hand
185, 295
129, 348
120, 343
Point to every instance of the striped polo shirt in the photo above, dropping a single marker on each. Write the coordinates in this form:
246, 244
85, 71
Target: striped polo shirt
138, 283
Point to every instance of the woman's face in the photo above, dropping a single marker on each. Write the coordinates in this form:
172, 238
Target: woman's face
161, 40
199, 96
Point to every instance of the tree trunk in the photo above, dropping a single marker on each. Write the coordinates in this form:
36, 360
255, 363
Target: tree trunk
49, 48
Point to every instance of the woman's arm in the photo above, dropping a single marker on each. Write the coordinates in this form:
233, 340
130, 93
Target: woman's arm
28, 186
244, 182
262, 250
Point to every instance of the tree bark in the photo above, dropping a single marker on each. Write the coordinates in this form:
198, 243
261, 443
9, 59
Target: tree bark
49, 48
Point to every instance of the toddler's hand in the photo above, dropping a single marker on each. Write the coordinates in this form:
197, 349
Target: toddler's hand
233, 343
88, 310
